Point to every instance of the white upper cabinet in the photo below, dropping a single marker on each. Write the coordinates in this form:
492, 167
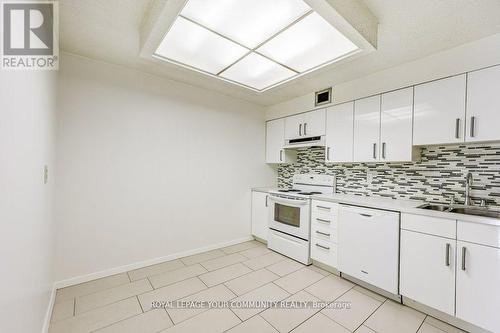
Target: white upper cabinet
339, 133
275, 140
483, 105
427, 270
305, 125
439, 111
367, 129
396, 126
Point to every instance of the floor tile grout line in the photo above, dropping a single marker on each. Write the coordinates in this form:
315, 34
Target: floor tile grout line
74, 307
422, 323
142, 309
94, 292
371, 314
258, 314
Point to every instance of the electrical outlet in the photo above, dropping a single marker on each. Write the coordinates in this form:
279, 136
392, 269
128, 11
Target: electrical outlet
45, 174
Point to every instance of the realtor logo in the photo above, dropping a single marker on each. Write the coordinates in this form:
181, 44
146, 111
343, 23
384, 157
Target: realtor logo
30, 35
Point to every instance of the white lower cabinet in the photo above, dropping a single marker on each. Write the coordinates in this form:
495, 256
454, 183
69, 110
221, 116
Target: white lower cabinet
478, 285
427, 270
324, 232
259, 214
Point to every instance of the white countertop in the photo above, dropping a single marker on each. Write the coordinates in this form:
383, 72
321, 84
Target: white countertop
403, 206
263, 189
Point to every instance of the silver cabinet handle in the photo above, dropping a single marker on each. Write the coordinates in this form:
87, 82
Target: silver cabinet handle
457, 128
324, 221
281, 155
472, 126
305, 128
266, 199
383, 150
464, 252
300, 129
323, 247
365, 215
323, 207
447, 256
375, 151
328, 153
322, 233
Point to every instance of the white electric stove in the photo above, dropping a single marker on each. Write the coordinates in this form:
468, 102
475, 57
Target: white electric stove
290, 215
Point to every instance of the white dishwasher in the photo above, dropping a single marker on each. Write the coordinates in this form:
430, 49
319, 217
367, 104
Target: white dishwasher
368, 246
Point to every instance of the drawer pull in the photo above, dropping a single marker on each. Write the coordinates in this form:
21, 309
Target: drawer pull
324, 221
323, 247
323, 207
322, 233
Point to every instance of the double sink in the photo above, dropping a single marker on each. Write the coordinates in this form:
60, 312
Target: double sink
467, 210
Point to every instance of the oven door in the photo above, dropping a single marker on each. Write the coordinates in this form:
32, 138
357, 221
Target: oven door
290, 216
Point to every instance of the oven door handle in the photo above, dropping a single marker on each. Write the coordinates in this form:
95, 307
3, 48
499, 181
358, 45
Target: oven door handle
288, 201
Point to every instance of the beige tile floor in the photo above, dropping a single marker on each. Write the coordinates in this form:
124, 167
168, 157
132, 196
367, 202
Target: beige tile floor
244, 272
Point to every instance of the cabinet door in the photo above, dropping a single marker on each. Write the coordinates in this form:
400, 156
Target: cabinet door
478, 285
367, 129
275, 131
427, 270
396, 126
339, 133
293, 127
439, 111
259, 214
314, 123
483, 100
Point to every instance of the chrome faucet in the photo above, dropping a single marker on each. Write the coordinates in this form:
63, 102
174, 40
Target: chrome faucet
469, 179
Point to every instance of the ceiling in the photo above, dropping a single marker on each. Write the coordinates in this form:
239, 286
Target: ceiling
109, 30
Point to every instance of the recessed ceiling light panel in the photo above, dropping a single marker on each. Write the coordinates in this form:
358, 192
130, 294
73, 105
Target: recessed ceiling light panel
308, 44
257, 72
248, 22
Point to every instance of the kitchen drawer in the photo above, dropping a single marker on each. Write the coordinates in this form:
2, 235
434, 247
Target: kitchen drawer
324, 232
324, 252
429, 225
484, 234
324, 207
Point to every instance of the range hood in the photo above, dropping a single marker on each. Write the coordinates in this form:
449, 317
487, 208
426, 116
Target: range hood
312, 141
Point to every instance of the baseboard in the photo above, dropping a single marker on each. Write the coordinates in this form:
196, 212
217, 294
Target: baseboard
121, 269
48, 314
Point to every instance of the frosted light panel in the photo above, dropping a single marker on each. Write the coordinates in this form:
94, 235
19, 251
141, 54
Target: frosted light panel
256, 71
307, 44
249, 22
192, 45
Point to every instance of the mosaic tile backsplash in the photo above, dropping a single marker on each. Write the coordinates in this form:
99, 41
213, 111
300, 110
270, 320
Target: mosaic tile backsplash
436, 177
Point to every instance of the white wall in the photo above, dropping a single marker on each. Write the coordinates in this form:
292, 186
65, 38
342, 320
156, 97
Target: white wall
27, 101
148, 167
471, 56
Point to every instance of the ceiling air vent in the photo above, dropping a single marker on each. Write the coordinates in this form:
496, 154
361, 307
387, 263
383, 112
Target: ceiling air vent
323, 97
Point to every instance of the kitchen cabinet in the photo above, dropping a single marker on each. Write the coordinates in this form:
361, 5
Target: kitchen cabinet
368, 246
339, 133
427, 270
367, 129
478, 287
275, 140
439, 111
305, 125
324, 234
260, 214
396, 126
483, 100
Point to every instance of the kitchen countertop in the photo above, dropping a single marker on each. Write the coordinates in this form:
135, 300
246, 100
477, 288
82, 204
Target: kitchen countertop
403, 206
263, 189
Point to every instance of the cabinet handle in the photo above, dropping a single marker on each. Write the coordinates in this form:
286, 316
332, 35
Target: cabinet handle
375, 151
281, 155
266, 200
300, 129
472, 126
305, 128
323, 247
447, 258
322, 233
464, 252
323, 207
457, 128
365, 215
328, 153
383, 150
324, 221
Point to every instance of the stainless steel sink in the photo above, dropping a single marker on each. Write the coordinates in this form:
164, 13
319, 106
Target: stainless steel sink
466, 210
439, 208
476, 211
